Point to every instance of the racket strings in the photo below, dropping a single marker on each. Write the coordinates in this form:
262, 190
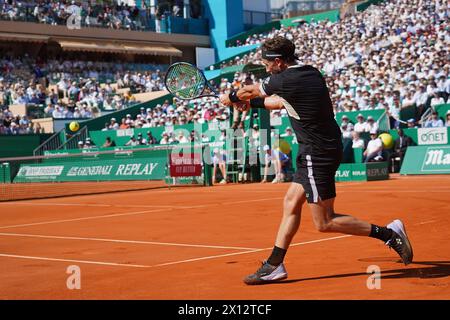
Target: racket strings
185, 81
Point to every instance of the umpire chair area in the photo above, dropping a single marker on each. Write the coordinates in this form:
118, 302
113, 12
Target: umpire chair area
240, 168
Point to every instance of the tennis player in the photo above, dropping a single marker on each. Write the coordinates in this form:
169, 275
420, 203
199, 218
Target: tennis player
302, 91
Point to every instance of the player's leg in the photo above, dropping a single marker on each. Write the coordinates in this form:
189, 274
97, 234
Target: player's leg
394, 234
320, 187
290, 221
326, 220
273, 269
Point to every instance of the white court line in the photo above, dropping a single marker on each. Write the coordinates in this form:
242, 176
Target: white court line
81, 219
94, 205
133, 206
245, 252
168, 263
77, 261
124, 241
132, 213
425, 222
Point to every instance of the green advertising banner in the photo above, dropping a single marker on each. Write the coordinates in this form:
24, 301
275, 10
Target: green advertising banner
427, 160
106, 170
362, 171
427, 136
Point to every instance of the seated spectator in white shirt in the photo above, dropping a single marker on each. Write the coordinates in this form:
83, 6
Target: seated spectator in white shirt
371, 124
133, 142
436, 100
87, 144
434, 122
346, 121
181, 138
76, 113
357, 141
113, 125
360, 126
374, 148
409, 99
58, 113
287, 133
346, 133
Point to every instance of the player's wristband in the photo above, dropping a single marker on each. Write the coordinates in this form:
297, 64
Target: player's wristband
257, 103
233, 97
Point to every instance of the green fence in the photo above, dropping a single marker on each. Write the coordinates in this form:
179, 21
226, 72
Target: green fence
365, 5
20, 145
5, 173
442, 110
332, 16
257, 30
427, 160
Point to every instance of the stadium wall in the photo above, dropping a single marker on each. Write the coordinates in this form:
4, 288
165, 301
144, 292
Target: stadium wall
226, 18
20, 145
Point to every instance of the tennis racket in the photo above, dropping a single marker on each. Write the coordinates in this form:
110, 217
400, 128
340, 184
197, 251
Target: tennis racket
186, 82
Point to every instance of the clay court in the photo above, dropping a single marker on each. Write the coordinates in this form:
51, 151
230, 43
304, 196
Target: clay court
198, 243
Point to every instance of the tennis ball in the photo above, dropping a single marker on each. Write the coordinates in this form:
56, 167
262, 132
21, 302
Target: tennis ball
283, 145
388, 141
74, 126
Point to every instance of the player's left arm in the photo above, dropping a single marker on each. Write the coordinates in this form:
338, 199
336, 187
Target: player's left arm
270, 103
268, 87
243, 94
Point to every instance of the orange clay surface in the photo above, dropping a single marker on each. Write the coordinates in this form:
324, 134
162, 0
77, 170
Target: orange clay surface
198, 243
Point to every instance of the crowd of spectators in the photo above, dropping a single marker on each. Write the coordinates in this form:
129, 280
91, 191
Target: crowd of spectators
73, 88
106, 14
144, 77
174, 113
390, 56
11, 124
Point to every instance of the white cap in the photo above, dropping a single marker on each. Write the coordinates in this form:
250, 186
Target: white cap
373, 131
266, 147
